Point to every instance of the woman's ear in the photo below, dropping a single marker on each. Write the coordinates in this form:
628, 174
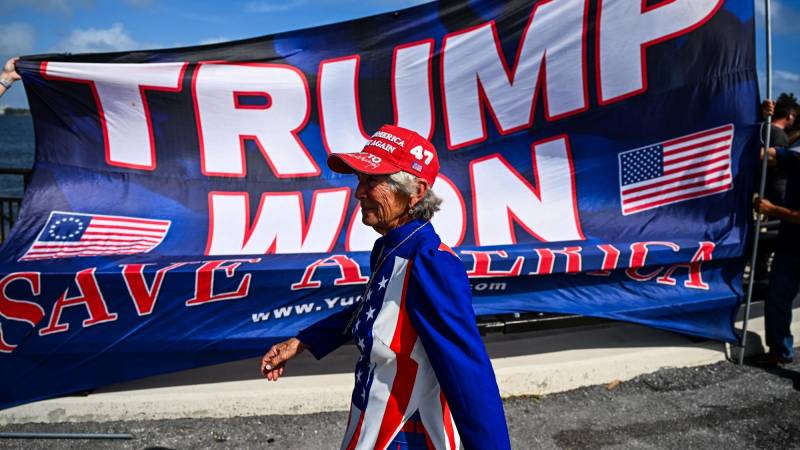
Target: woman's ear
422, 188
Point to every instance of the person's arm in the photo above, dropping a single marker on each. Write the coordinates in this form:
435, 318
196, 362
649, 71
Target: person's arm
765, 206
331, 333
9, 75
320, 339
783, 157
767, 110
274, 361
439, 304
771, 156
328, 334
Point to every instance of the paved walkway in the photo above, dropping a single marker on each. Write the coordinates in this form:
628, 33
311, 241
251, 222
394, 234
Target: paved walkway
534, 363
720, 406
621, 393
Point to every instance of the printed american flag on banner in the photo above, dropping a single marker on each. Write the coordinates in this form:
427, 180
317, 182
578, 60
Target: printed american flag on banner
67, 235
680, 169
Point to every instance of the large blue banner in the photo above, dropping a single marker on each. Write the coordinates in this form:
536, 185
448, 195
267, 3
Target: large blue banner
597, 158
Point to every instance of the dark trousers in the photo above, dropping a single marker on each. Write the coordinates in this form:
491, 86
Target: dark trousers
784, 284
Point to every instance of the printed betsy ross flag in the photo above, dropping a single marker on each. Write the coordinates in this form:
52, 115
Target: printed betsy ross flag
67, 235
691, 166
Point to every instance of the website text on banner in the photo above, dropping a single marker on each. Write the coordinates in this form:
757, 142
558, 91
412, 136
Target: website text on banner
596, 159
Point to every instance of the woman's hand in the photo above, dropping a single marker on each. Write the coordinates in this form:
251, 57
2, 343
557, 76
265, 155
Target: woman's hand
273, 362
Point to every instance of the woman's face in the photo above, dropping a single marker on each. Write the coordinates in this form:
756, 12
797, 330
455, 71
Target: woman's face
381, 208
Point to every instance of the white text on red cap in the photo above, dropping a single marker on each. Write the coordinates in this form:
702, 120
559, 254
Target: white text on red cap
390, 137
380, 144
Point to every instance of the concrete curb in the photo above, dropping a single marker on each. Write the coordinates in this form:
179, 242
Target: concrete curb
525, 364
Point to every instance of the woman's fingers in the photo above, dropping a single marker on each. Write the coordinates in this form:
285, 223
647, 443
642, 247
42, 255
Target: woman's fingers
273, 362
272, 374
277, 372
268, 362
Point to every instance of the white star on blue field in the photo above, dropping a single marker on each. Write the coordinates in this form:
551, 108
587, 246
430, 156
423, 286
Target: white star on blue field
643, 164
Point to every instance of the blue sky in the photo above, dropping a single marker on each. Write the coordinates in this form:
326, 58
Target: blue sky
785, 46
44, 26
76, 26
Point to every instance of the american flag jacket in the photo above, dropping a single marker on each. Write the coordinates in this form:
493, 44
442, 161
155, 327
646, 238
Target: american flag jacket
420, 351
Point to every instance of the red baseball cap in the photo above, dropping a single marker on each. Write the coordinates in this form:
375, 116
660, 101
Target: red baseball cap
390, 150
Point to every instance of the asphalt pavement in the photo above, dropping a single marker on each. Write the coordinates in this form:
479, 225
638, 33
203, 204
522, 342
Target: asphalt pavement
717, 406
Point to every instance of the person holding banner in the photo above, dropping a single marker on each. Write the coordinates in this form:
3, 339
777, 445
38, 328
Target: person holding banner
784, 284
423, 378
784, 113
9, 75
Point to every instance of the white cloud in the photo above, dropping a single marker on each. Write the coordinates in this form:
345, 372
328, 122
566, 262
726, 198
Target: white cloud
98, 40
782, 81
785, 75
784, 18
272, 6
214, 40
18, 39
785, 81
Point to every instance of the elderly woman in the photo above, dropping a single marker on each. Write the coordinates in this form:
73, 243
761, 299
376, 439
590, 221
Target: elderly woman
423, 379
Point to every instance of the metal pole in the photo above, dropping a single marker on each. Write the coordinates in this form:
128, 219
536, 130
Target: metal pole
66, 436
761, 187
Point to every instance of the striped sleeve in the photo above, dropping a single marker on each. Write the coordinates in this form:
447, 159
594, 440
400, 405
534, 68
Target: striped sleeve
440, 308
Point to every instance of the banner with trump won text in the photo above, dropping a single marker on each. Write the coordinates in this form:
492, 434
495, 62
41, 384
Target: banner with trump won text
596, 159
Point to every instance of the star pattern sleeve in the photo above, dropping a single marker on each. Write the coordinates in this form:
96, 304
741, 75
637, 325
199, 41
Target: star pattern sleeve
330, 333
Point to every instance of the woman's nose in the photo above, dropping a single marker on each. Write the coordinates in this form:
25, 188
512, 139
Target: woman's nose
361, 190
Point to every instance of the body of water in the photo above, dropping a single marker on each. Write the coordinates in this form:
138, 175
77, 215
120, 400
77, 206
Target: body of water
16, 150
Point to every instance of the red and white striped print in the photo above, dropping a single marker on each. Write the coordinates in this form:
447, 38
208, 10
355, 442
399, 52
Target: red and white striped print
403, 380
694, 166
97, 235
